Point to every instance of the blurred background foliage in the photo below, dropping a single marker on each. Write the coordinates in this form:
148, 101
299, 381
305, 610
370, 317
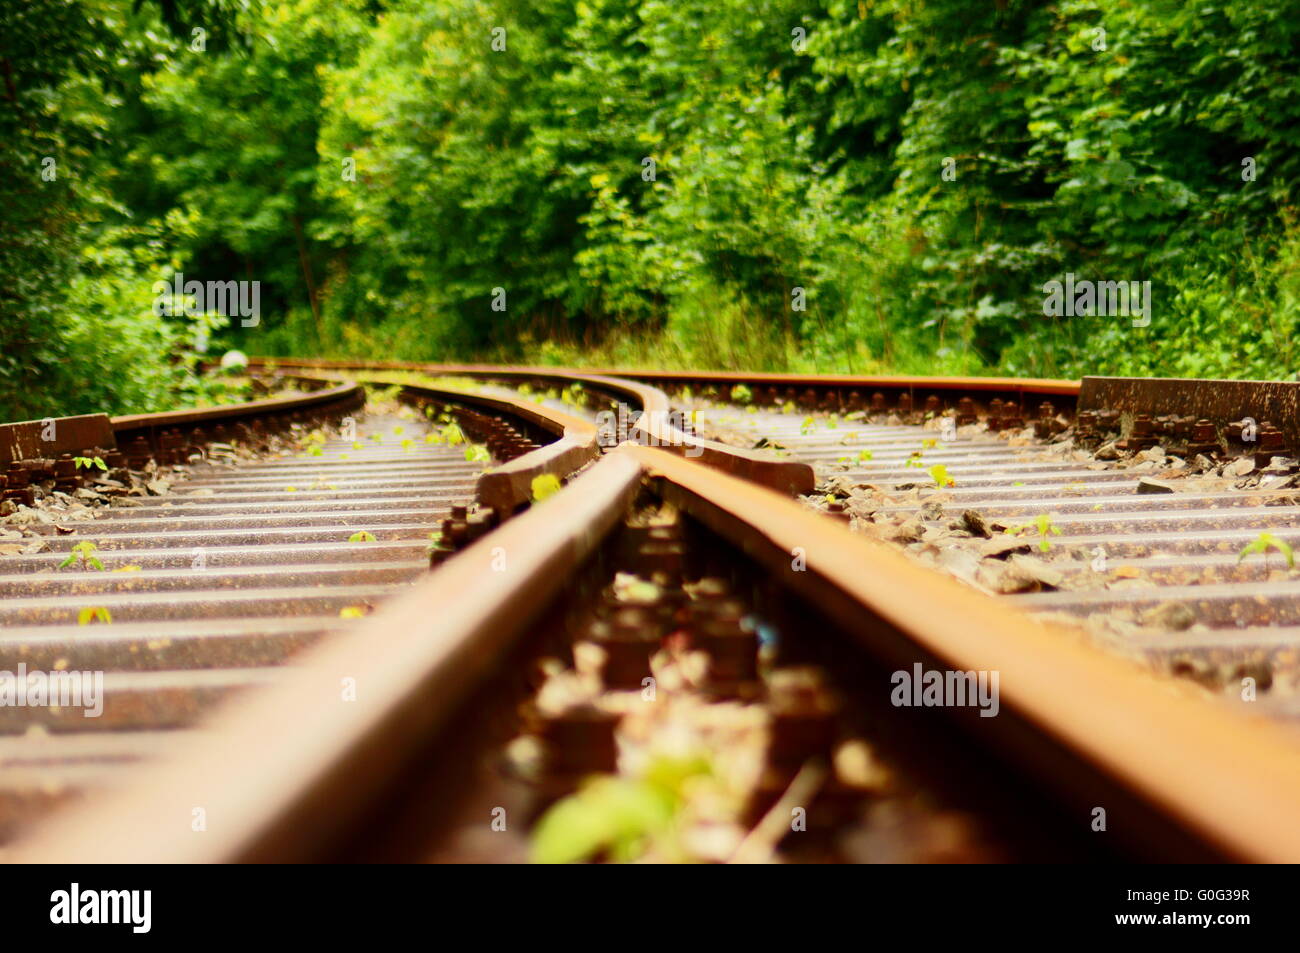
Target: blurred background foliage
1107, 138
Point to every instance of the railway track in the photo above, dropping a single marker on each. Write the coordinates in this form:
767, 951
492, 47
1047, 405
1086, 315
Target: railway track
668, 622
1137, 506
1169, 541
216, 574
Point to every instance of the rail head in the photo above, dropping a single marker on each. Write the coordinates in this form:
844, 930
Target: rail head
1220, 784
805, 390
54, 436
1227, 783
282, 795
509, 485
330, 397
57, 436
656, 426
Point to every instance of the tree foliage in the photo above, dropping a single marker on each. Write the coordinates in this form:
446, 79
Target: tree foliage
838, 185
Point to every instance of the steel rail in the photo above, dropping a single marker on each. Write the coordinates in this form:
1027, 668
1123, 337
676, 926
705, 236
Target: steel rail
1223, 784
297, 788
1180, 778
806, 391
42, 439
508, 486
277, 570
654, 426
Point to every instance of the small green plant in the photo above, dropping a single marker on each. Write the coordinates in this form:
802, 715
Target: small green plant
914, 461
574, 395
452, 434
808, 425
865, 455
1046, 530
1263, 543
545, 485
362, 536
84, 552
622, 818
94, 614
477, 453
89, 462
939, 474
741, 394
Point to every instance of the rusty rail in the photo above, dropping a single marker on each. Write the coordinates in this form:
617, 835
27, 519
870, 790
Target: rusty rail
905, 393
655, 426
508, 485
1179, 777
228, 574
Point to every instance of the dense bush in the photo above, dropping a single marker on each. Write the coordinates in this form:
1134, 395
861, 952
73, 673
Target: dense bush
840, 185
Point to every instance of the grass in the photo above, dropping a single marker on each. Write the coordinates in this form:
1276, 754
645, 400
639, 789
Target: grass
939, 474
85, 552
1046, 530
1263, 543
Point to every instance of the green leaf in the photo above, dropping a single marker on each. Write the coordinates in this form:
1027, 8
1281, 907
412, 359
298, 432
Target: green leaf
544, 486
609, 814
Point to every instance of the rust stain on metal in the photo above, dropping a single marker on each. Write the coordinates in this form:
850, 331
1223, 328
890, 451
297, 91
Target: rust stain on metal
282, 793
1221, 402
1230, 779
509, 485
38, 439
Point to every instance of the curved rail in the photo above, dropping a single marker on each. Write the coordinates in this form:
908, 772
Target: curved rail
655, 426
508, 485
1178, 777
806, 391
